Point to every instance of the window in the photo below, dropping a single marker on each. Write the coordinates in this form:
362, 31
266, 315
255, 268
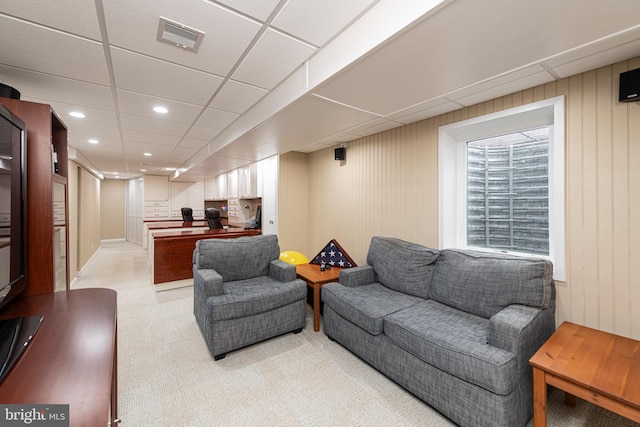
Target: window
508, 192
502, 182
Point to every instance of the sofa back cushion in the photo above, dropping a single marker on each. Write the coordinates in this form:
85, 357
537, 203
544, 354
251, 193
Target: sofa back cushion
240, 258
402, 266
484, 283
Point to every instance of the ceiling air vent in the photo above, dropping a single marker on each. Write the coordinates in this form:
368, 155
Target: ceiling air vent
179, 35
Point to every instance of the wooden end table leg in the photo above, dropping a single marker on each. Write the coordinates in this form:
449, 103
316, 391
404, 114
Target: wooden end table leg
316, 306
539, 398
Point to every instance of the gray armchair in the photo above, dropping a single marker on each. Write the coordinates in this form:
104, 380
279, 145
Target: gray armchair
243, 294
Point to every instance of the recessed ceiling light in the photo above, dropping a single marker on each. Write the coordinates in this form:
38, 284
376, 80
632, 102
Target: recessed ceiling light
93, 141
147, 154
77, 114
168, 169
143, 170
160, 109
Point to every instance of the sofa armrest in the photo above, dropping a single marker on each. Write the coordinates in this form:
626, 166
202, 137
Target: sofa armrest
282, 271
357, 276
206, 283
521, 330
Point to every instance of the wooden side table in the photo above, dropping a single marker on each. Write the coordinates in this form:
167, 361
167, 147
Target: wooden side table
597, 366
315, 278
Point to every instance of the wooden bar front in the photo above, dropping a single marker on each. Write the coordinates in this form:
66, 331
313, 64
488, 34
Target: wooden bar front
173, 251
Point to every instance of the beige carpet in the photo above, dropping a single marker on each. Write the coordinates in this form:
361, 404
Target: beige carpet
166, 376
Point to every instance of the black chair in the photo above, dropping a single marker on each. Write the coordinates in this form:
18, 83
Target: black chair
187, 214
213, 218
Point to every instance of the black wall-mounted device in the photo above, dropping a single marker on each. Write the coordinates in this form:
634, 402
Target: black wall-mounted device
8, 92
340, 153
630, 86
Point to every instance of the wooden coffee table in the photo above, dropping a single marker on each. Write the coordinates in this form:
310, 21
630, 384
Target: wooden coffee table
597, 366
315, 278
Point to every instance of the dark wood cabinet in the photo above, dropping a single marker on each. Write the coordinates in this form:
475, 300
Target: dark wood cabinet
73, 358
45, 133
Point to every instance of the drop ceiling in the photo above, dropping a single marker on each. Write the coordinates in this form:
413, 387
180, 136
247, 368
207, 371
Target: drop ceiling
273, 76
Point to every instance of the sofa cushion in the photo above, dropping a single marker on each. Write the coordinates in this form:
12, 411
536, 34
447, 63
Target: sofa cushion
402, 266
484, 283
366, 306
237, 259
454, 342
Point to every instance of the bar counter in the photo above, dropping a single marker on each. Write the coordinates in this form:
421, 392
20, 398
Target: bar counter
172, 252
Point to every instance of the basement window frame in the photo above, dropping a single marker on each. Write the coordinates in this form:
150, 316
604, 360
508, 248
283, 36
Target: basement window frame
452, 173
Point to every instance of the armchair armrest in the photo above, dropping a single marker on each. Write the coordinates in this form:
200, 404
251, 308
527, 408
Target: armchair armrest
282, 271
357, 276
206, 283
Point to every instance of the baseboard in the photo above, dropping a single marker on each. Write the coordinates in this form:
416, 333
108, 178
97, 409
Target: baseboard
159, 287
113, 240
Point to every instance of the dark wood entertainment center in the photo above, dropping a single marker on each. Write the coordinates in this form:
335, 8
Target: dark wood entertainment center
45, 131
72, 359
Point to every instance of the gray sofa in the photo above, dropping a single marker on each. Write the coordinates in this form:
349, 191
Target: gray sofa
243, 294
455, 328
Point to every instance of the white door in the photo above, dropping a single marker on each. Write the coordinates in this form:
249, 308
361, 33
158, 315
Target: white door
270, 196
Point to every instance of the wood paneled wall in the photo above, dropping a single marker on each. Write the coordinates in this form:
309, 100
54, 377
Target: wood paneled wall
88, 216
112, 209
293, 189
388, 186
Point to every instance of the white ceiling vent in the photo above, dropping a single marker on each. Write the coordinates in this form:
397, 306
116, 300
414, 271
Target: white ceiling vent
179, 35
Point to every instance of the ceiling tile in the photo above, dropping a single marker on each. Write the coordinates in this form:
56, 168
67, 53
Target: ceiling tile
373, 126
318, 21
317, 146
93, 116
181, 154
501, 86
163, 79
280, 134
213, 165
201, 133
48, 89
150, 137
136, 150
41, 50
191, 143
93, 131
258, 9
216, 119
426, 105
237, 97
105, 145
56, 14
597, 54
142, 105
272, 59
155, 126
424, 110
110, 162
436, 60
133, 25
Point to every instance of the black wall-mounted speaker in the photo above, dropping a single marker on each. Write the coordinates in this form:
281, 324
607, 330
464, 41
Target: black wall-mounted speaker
340, 153
630, 86
8, 92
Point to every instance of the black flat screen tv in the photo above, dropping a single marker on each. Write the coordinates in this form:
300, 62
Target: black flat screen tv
15, 333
